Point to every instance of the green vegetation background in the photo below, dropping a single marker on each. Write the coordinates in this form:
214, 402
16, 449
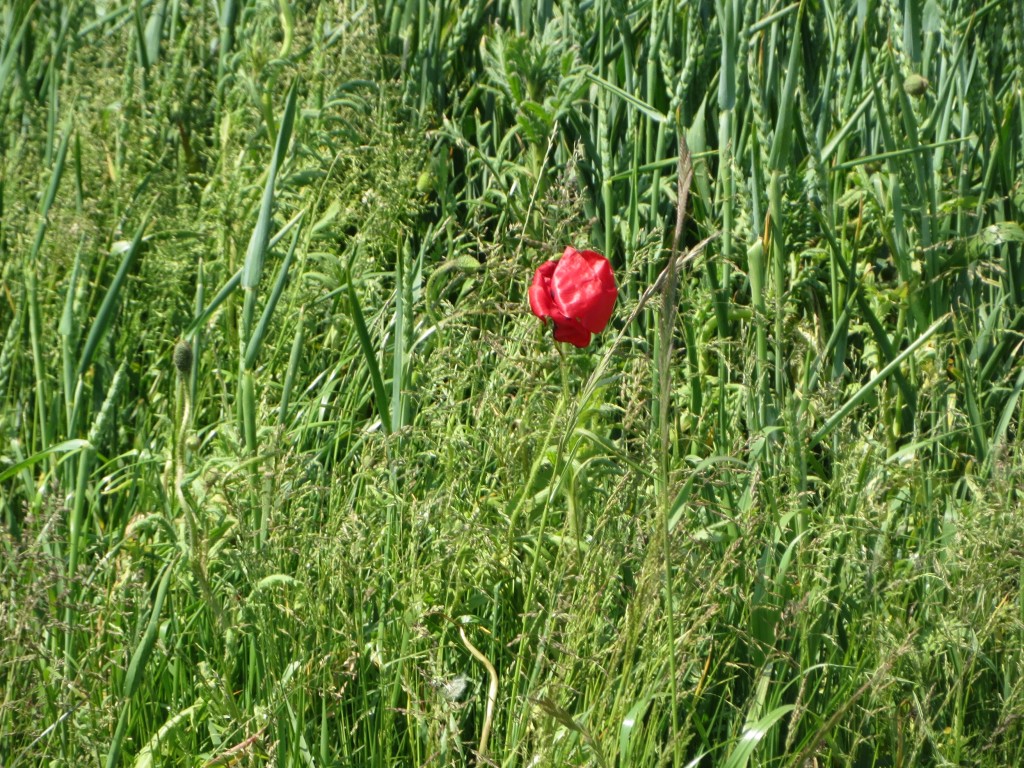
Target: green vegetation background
770, 517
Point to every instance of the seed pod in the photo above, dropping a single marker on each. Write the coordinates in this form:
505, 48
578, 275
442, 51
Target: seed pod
183, 357
915, 85
425, 182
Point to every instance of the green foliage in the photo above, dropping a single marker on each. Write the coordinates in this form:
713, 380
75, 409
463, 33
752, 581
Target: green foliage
768, 518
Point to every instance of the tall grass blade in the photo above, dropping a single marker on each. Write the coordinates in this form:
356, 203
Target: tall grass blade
875, 380
140, 656
69, 448
752, 735
260, 332
398, 341
222, 295
105, 314
369, 354
256, 253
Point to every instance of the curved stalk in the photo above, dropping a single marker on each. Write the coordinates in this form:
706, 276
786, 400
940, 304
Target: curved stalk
492, 692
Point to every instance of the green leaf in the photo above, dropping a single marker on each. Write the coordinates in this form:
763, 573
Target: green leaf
629, 722
1002, 232
256, 340
629, 98
70, 447
877, 379
752, 735
366, 345
256, 252
145, 647
105, 316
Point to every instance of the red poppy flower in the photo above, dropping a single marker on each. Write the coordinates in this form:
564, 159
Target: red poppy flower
577, 292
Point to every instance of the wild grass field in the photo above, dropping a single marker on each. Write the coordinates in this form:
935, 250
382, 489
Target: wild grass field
290, 474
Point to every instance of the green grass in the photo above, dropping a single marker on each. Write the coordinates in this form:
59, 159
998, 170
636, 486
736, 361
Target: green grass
770, 517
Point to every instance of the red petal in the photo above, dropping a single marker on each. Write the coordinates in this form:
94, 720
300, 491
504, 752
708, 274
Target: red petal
541, 303
572, 332
583, 288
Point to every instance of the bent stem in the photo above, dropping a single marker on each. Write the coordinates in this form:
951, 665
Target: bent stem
492, 693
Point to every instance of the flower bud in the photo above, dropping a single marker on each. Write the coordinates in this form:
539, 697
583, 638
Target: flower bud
183, 357
915, 85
